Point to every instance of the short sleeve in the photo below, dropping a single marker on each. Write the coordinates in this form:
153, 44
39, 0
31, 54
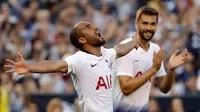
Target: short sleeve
72, 64
161, 71
112, 54
124, 66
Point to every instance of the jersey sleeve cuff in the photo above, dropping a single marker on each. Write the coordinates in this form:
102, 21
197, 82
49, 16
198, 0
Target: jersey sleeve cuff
160, 75
124, 74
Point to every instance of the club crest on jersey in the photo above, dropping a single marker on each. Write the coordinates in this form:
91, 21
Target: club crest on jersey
104, 82
109, 65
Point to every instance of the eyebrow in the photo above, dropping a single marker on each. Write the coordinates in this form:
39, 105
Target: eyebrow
148, 22
87, 26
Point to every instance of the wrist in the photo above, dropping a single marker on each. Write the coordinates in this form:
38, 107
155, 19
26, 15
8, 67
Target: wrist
171, 68
29, 68
154, 69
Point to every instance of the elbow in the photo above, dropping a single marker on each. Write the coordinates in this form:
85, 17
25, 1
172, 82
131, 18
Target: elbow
164, 90
124, 89
125, 92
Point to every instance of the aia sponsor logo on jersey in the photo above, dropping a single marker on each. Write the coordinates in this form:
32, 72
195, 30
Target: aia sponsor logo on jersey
104, 82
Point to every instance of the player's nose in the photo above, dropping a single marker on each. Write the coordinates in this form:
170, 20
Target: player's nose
94, 27
148, 27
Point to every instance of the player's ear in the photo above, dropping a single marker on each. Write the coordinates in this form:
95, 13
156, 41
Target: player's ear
82, 40
136, 24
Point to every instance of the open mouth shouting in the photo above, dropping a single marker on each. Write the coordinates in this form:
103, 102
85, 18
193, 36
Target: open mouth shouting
98, 33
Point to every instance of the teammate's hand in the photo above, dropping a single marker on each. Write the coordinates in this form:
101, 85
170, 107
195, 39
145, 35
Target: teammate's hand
177, 60
20, 67
157, 59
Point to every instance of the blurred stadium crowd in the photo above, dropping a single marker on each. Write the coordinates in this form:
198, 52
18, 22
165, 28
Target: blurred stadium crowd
39, 29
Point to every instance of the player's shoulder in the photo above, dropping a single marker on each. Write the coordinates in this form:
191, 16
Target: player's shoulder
107, 52
154, 46
76, 54
79, 55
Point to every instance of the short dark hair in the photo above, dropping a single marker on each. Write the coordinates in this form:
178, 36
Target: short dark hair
74, 37
146, 10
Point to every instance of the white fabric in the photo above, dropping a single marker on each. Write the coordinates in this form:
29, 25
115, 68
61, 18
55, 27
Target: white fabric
135, 62
91, 77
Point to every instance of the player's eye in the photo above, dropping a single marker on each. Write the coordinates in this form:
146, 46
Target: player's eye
145, 23
153, 24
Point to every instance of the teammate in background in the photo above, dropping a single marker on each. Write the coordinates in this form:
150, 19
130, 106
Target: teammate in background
90, 67
135, 71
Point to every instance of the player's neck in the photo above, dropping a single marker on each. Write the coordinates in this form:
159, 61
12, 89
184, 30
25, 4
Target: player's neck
144, 44
92, 50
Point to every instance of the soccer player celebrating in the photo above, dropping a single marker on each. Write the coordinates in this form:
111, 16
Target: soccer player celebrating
90, 67
135, 71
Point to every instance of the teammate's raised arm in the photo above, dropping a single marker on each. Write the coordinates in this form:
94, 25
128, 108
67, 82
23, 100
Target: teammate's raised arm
165, 82
22, 67
124, 48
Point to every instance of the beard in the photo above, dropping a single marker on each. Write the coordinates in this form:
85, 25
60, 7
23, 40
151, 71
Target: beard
142, 35
99, 43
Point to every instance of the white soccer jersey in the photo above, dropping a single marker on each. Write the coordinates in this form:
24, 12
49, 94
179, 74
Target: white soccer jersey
91, 77
134, 64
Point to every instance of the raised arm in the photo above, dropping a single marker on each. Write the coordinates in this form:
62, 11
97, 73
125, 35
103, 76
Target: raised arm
165, 82
124, 48
129, 84
22, 67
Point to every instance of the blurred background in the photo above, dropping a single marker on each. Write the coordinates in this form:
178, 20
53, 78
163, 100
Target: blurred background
39, 29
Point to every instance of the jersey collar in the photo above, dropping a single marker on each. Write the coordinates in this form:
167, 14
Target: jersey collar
89, 52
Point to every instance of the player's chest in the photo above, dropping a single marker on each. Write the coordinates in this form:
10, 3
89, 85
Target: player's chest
99, 73
98, 67
142, 60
